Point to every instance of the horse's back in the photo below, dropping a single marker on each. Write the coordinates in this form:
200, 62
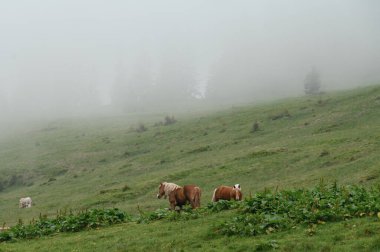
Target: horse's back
222, 192
189, 190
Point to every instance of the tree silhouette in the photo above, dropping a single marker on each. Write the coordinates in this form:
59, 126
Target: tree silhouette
312, 83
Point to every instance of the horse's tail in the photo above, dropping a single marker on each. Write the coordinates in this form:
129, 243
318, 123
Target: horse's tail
214, 195
197, 197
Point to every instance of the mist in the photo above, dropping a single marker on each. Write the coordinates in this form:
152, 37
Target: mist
77, 58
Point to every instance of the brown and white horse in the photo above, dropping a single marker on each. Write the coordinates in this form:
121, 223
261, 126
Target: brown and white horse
179, 196
227, 193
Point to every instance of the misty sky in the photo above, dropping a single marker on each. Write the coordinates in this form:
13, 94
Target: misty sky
64, 56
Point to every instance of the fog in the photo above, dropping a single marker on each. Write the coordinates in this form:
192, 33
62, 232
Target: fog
82, 57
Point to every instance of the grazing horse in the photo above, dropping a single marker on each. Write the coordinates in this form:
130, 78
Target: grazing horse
179, 196
25, 202
165, 189
227, 193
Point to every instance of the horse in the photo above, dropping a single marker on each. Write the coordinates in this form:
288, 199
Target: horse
179, 196
25, 202
227, 193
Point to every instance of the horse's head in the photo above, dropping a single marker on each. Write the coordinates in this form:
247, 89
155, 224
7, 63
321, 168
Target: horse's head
161, 190
237, 190
237, 186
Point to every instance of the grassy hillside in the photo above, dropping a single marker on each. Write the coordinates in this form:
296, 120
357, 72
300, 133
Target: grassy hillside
81, 164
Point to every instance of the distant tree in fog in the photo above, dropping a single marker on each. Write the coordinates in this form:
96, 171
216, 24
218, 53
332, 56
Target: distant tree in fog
231, 78
132, 88
119, 88
3, 102
170, 84
87, 93
175, 84
139, 88
312, 82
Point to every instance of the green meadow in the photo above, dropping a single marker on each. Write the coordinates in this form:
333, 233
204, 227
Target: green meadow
103, 163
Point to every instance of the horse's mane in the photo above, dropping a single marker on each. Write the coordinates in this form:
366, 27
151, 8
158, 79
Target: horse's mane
169, 187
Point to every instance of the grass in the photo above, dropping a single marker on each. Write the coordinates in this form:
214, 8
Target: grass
264, 213
83, 163
194, 235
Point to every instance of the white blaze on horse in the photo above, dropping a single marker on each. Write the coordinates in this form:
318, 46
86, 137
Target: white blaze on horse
179, 196
25, 202
227, 193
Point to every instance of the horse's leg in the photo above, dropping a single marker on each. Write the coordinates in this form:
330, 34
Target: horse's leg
173, 205
192, 203
232, 195
172, 200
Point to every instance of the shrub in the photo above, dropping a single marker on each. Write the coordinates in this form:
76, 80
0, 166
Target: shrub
125, 188
268, 212
2, 185
312, 82
141, 128
169, 120
284, 113
200, 149
324, 153
63, 222
255, 127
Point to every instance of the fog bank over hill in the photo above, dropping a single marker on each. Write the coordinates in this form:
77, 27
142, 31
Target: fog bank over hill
75, 58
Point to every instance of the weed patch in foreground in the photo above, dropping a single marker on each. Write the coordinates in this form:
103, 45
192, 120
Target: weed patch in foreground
266, 213
90, 219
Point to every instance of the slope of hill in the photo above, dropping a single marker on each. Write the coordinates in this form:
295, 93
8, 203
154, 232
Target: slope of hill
105, 163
